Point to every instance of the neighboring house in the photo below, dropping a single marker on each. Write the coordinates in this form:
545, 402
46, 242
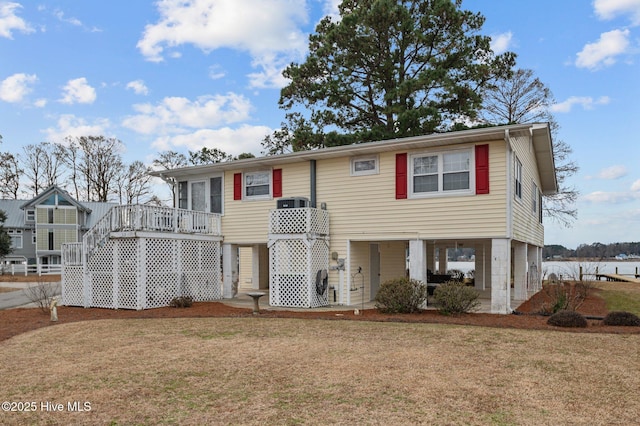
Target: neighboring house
38, 227
333, 224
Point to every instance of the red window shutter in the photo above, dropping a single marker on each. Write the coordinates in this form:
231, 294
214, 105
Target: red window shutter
401, 176
237, 186
277, 183
482, 169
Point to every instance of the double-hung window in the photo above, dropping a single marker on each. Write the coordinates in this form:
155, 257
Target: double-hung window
215, 194
257, 184
518, 178
16, 238
439, 173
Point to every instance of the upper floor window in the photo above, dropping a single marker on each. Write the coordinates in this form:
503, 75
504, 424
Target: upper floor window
215, 195
183, 195
364, 166
257, 184
30, 215
448, 172
202, 195
16, 238
534, 199
518, 178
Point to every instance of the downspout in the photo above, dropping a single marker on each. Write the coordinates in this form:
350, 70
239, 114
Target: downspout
312, 183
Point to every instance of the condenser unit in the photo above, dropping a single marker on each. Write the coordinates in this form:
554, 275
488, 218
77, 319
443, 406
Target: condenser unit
292, 203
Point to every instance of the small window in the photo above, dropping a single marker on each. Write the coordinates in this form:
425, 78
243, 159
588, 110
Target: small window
183, 195
215, 193
49, 215
30, 215
257, 184
364, 166
518, 178
34, 240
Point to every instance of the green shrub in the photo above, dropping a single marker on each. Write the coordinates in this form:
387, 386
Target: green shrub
181, 302
454, 298
567, 319
401, 295
621, 318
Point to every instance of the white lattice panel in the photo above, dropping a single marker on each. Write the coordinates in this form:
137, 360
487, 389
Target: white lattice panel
72, 286
294, 264
299, 221
140, 273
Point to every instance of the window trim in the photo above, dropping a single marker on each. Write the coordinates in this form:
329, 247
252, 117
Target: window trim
16, 235
441, 192
268, 196
374, 171
30, 213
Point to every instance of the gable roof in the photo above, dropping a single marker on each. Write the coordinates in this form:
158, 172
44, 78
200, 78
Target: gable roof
539, 132
38, 199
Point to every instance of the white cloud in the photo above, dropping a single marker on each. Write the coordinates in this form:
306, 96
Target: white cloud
246, 138
613, 172
15, 87
600, 197
40, 103
215, 72
245, 25
635, 186
70, 125
603, 52
78, 91
609, 9
174, 114
331, 9
138, 87
587, 103
501, 43
73, 21
9, 21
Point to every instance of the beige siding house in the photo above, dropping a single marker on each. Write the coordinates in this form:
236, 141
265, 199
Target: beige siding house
391, 206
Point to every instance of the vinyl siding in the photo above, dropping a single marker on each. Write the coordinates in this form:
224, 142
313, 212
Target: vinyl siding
247, 221
365, 207
526, 225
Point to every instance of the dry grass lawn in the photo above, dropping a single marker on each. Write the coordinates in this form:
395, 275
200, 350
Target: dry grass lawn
287, 371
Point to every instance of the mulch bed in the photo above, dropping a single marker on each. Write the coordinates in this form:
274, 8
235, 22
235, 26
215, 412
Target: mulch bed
21, 320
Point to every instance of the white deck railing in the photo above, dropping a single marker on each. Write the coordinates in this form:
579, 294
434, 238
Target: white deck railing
151, 219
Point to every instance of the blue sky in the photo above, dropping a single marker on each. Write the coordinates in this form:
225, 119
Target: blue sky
181, 75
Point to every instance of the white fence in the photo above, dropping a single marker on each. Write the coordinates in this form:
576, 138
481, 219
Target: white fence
18, 269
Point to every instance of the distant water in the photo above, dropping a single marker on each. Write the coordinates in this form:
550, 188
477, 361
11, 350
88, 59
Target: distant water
568, 269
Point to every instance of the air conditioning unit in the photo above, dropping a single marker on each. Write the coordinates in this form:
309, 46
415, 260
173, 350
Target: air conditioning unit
292, 203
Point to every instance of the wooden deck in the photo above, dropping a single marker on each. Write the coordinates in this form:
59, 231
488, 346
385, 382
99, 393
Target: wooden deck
619, 278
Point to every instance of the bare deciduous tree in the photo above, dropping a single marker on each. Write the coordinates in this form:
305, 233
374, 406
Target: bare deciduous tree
523, 98
10, 173
133, 183
169, 160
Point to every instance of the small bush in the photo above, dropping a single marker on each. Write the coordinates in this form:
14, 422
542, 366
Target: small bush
181, 302
567, 319
455, 298
42, 293
401, 295
621, 318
